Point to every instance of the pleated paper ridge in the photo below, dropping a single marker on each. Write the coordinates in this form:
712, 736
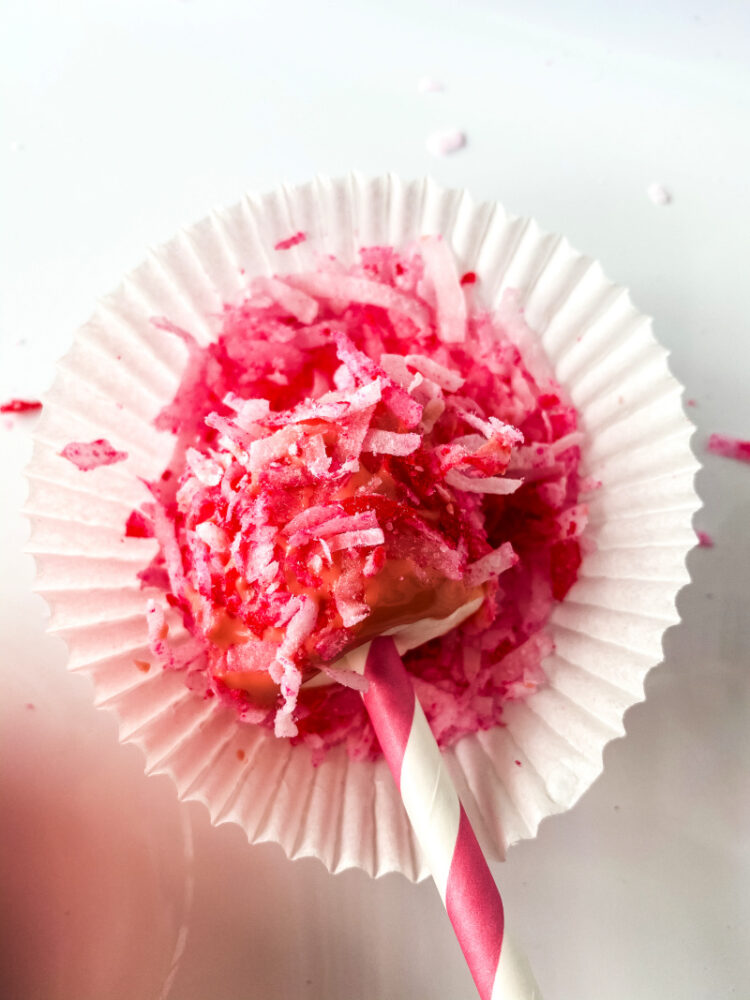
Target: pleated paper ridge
608, 632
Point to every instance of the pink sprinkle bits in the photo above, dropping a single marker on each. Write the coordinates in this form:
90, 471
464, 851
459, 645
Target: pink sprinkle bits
360, 448
705, 541
729, 447
89, 455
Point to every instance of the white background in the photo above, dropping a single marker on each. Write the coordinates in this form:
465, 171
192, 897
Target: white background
124, 120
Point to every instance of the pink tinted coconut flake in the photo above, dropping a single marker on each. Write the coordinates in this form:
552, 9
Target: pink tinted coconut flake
89, 455
367, 451
291, 241
729, 447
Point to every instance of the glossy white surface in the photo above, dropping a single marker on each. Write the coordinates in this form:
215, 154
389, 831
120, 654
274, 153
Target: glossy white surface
123, 122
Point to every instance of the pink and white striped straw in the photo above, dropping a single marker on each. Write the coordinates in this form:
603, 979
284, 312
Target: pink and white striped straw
452, 851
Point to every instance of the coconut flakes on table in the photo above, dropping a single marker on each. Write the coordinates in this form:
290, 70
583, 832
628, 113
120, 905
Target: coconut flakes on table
729, 447
20, 406
358, 435
291, 241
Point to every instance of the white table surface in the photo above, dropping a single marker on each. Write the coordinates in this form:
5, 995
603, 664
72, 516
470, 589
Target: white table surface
124, 120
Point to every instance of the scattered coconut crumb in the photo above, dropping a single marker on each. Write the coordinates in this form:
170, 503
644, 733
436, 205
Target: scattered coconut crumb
89, 455
705, 541
658, 194
20, 406
446, 141
430, 85
729, 447
291, 241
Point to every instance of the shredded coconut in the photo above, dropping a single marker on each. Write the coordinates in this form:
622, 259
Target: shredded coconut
361, 442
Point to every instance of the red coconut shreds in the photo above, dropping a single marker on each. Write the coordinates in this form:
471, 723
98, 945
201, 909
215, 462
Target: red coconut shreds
358, 436
20, 406
291, 241
729, 447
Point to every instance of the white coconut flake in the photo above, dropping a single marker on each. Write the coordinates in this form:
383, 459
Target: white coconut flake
271, 449
355, 289
446, 141
432, 412
213, 536
356, 539
491, 565
440, 265
447, 379
390, 443
430, 85
314, 453
394, 365
249, 411
303, 307
311, 517
333, 406
658, 194
205, 470
283, 724
346, 522
326, 550
299, 626
498, 485
187, 491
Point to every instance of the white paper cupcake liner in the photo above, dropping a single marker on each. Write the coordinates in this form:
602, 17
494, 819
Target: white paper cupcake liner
608, 631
